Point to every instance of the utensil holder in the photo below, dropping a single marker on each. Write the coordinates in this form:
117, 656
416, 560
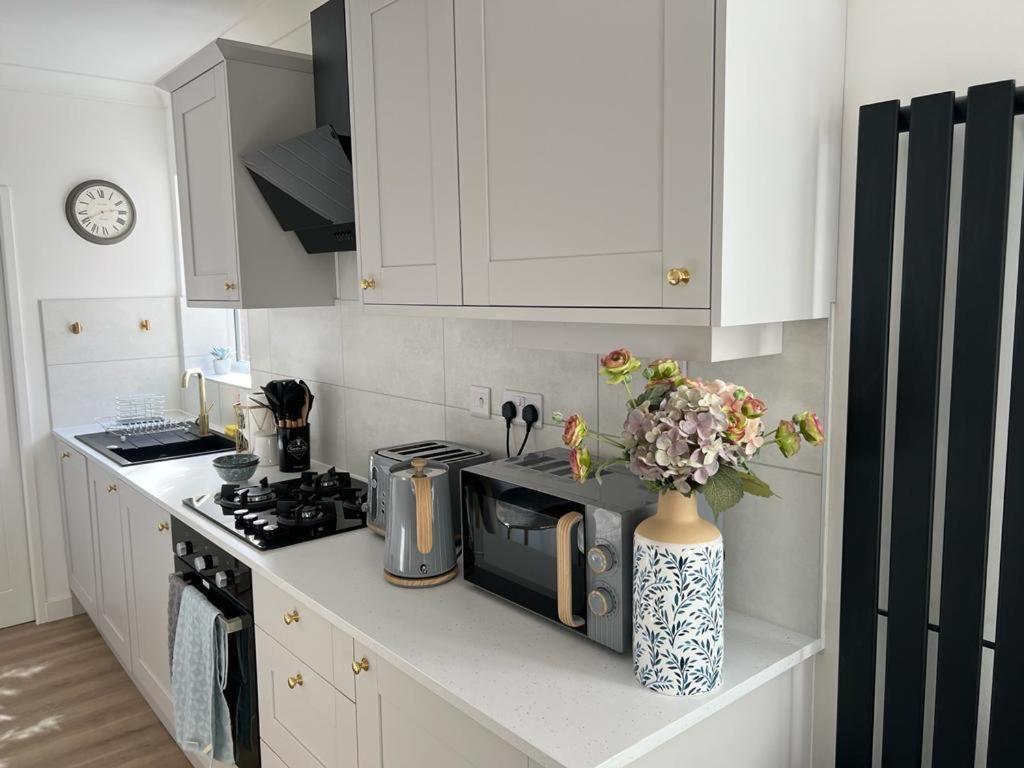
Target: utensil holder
293, 448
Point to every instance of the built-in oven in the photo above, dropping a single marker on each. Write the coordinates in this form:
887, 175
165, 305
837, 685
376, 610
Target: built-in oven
559, 548
227, 583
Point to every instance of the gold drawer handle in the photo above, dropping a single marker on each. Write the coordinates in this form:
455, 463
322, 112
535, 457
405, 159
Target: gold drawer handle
293, 681
144, 325
291, 617
163, 527
228, 285
65, 455
111, 488
675, 276
76, 327
368, 283
360, 666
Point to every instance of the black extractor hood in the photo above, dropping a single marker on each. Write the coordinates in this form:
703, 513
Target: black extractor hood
307, 180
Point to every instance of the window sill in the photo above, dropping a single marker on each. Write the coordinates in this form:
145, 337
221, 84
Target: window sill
233, 379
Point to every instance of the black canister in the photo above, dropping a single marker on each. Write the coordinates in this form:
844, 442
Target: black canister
293, 448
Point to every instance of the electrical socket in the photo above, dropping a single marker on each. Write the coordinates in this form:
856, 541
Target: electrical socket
479, 401
522, 399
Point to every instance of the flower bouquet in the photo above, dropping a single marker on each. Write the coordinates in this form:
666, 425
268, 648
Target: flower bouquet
686, 434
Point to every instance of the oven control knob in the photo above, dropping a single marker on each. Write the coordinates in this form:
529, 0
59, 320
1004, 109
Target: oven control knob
600, 558
202, 562
600, 602
183, 549
223, 579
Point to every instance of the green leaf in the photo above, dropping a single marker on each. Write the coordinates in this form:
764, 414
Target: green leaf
755, 486
724, 489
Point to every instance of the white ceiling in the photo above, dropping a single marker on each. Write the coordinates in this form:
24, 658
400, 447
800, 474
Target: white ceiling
137, 40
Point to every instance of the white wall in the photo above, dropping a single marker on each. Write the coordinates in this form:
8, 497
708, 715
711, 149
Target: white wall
58, 130
897, 50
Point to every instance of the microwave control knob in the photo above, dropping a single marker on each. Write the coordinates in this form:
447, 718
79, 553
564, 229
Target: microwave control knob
202, 562
600, 558
183, 549
600, 602
223, 579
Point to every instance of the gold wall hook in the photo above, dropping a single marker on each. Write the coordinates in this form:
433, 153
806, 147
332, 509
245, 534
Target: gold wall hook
76, 327
144, 325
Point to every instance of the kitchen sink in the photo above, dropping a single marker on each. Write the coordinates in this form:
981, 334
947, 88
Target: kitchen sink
157, 446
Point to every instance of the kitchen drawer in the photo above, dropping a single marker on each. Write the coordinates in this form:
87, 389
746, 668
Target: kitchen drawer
295, 625
299, 716
344, 655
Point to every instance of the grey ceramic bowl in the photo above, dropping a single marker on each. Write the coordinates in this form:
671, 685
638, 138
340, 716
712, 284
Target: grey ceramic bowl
236, 467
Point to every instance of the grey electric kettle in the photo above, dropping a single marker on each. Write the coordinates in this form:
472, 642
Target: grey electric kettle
419, 541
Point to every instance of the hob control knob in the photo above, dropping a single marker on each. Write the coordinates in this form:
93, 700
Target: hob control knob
223, 579
600, 559
600, 602
202, 562
183, 549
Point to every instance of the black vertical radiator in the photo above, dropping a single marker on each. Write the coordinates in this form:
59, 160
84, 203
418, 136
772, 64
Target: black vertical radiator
988, 113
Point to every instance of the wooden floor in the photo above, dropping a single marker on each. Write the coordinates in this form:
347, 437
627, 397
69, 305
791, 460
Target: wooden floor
66, 702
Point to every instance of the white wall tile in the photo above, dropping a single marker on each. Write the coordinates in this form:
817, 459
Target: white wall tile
482, 352
773, 551
110, 329
83, 392
489, 435
397, 356
791, 382
327, 425
258, 323
373, 421
306, 342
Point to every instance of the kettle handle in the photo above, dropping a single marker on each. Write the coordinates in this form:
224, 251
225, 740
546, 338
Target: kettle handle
421, 486
563, 568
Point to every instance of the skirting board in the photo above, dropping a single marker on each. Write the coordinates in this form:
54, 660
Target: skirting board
708, 345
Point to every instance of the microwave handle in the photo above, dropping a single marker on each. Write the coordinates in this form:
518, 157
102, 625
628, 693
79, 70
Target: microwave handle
563, 566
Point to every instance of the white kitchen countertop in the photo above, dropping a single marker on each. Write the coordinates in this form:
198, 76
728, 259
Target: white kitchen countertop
563, 701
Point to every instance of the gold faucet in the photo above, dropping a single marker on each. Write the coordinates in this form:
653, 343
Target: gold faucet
204, 412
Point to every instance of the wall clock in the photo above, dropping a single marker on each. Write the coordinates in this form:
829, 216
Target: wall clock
100, 211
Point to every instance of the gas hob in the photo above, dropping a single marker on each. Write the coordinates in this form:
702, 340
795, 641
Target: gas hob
270, 515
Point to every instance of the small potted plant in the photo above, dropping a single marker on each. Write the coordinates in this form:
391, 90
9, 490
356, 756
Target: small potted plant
683, 436
221, 359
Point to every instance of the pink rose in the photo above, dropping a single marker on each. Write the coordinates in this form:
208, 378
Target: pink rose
579, 461
574, 431
754, 407
810, 427
618, 364
787, 438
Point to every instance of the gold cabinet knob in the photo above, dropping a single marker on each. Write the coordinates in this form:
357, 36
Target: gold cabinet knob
76, 327
65, 455
368, 283
144, 325
296, 680
360, 666
111, 488
163, 527
228, 285
675, 276
291, 617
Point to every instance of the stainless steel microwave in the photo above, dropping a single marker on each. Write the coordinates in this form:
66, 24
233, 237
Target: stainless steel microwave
559, 548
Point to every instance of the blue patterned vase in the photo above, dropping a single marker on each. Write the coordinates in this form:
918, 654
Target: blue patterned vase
678, 610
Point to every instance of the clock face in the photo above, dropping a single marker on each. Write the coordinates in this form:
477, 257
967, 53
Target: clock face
100, 211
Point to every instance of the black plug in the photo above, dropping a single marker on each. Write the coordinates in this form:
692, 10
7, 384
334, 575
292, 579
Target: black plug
508, 412
531, 416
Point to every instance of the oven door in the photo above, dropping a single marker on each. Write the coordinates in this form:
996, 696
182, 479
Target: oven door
525, 546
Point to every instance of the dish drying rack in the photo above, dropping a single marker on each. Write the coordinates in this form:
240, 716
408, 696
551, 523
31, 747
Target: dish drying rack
144, 415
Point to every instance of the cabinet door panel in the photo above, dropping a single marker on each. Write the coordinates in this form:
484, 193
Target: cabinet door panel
203, 154
585, 169
78, 522
151, 563
110, 560
406, 153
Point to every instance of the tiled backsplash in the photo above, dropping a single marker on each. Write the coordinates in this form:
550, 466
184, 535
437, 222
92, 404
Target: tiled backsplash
381, 380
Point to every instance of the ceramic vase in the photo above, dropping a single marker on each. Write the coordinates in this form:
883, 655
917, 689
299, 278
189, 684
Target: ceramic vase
678, 609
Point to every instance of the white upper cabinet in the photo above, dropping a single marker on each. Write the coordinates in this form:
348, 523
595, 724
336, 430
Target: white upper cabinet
653, 163
228, 100
585, 149
403, 63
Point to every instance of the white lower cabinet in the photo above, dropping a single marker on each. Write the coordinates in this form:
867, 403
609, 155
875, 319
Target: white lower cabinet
78, 527
110, 544
151, 562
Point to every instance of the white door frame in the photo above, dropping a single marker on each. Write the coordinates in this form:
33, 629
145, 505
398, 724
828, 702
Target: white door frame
19, 371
